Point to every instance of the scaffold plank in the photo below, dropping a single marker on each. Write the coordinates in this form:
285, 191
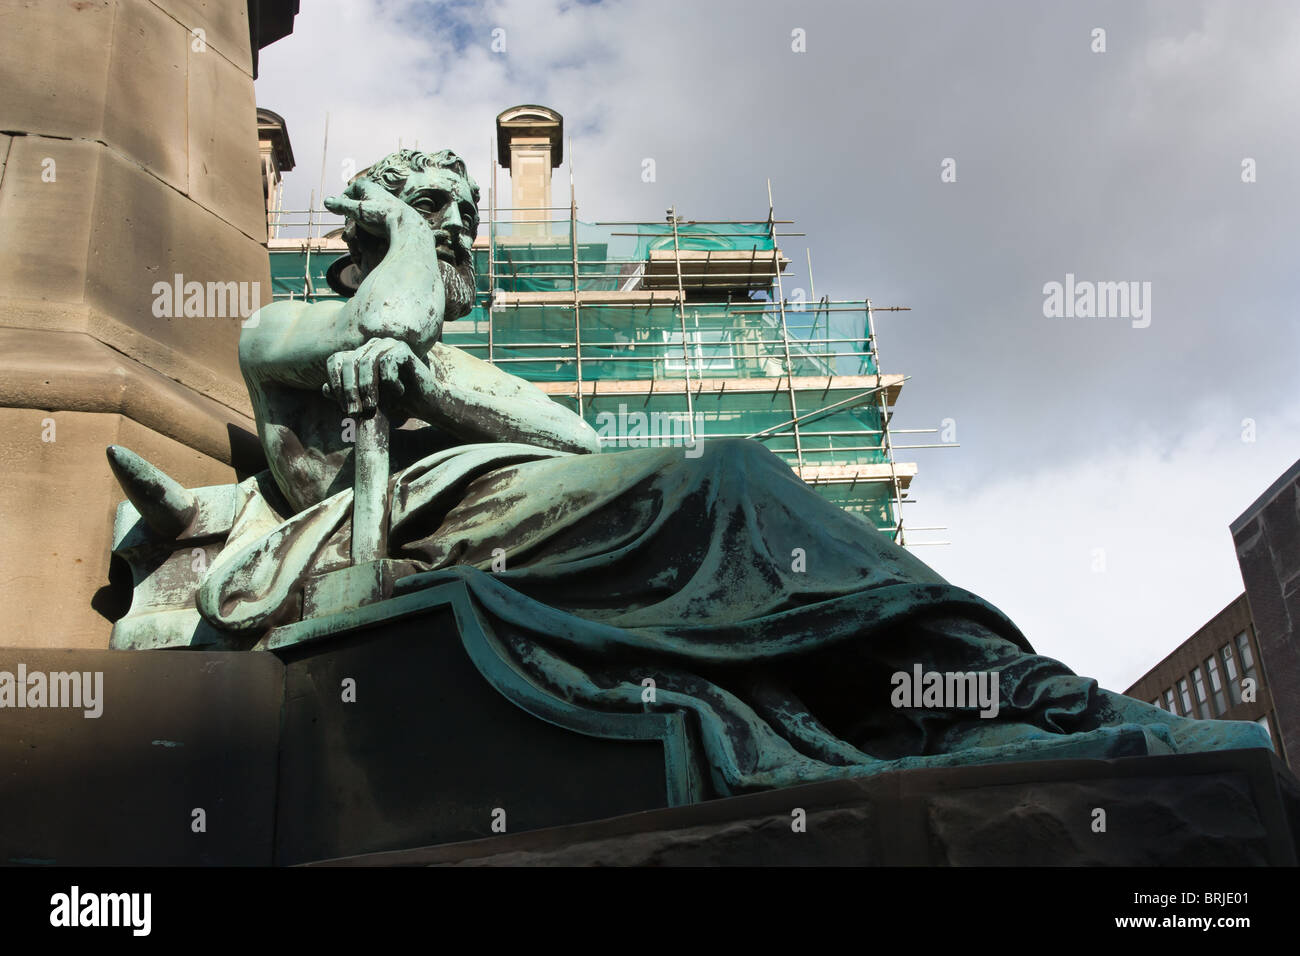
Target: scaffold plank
846, 474
892, 383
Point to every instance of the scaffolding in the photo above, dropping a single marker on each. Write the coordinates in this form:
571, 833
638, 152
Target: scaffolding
671, 333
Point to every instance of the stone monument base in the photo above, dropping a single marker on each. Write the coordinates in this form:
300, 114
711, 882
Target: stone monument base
1231, 808
391, 745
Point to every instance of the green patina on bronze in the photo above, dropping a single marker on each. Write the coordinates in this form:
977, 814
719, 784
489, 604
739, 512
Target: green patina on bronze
626, 595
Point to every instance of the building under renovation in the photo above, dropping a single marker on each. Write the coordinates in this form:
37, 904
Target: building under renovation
657, 333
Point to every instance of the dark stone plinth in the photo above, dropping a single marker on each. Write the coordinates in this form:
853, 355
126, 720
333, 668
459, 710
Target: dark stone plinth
289, 769
1217, 809
177, 732
286, 767
429, 750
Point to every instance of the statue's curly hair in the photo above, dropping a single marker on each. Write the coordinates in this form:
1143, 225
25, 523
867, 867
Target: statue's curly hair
393, 170
391, 173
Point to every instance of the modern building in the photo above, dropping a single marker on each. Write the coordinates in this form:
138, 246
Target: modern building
1216, 674
1244, 664
658, 333
1267, 538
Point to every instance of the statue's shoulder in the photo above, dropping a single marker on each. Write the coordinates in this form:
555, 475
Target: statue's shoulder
279, 334
291, 310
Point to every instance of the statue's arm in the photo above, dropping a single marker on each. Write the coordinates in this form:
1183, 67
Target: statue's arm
455, 392
476, 401
402, 298
288, 343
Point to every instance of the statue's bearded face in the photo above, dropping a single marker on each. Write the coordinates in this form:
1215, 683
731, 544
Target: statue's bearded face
443, 198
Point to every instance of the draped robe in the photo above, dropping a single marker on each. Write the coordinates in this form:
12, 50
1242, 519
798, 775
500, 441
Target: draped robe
772, 616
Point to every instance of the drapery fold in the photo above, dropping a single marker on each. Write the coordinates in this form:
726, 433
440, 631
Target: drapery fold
723, 584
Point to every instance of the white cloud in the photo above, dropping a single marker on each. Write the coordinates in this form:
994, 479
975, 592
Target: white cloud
1159, 510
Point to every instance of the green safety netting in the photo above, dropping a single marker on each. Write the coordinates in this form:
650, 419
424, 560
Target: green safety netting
713, 342
739, 339
699, 237
539, 257
873, 503
292, 274
702, 340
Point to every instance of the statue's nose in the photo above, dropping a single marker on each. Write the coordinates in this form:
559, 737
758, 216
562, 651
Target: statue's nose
452, 221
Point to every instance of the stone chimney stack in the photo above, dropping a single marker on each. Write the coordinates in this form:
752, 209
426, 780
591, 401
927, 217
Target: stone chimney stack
530, 143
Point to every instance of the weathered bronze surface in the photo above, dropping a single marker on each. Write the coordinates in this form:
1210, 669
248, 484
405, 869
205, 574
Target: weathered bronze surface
594, 588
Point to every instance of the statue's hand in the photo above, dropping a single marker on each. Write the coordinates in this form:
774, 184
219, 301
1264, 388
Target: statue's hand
376, 373
403, 296
374, 209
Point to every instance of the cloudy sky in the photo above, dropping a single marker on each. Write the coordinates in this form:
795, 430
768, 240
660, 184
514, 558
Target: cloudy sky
1100, 462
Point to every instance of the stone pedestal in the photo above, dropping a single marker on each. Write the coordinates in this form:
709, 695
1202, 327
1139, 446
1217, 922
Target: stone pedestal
176, 733
392, 744
377, 739
1232, 808
128, 155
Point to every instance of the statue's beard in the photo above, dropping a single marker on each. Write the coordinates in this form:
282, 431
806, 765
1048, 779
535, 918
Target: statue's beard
458, 278
459, 282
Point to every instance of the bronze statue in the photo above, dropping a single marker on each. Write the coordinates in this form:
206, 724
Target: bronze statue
643, 580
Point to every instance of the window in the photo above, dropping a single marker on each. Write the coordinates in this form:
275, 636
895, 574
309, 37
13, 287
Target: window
709, 350
1244, 653
1263, 722
1156, 703
1185, 696
1230, 672
1202, 702
1216, 686
1169, 701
